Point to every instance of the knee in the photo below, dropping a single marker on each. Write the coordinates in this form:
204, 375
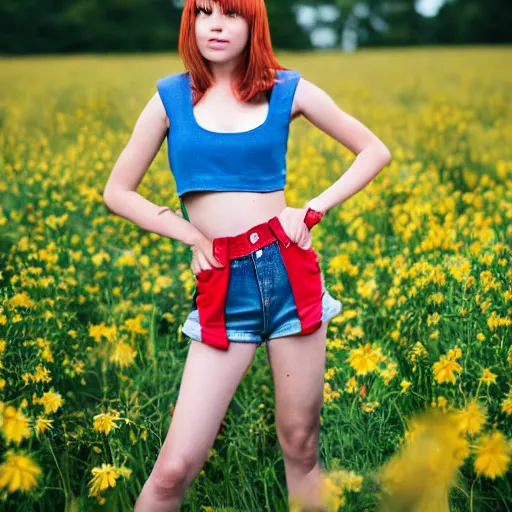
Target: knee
169, 478
299, 444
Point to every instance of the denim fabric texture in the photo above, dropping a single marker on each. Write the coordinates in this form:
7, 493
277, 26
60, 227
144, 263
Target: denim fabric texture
260, 305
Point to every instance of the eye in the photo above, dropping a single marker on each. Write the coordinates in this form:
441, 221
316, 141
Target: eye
203, 10
232, 13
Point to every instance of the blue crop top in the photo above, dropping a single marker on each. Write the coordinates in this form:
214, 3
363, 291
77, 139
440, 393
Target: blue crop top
252, 160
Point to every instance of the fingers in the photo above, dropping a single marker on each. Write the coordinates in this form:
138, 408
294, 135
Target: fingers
204, 259
305, 240
292, 220
214, 262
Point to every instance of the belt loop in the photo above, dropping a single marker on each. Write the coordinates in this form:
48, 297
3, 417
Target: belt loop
279, 232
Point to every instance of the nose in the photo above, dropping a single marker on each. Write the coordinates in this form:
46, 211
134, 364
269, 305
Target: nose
216, 20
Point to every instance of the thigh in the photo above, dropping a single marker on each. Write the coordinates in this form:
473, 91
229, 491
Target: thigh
210, 379
298, 366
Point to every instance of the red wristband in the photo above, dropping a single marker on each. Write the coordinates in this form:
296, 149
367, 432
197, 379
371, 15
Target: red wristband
312, 217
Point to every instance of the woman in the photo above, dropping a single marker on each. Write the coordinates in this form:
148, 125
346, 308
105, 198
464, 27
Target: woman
258, 278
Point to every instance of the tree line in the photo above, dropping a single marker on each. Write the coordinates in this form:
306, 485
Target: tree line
78, 26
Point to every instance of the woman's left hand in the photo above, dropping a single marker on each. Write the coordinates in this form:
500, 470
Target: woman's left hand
292, 220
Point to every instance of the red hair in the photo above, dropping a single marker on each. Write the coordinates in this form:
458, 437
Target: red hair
257, 70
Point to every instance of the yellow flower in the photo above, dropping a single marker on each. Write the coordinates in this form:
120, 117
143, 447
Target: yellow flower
472, 418
506, 405
124, 471
21, 300
51, 401
329, 394
369, 406
105, 422
103, 478
364, 359
442, 403
353, 481
123, 355
351, 385
135, 325
389, 373
444, 369
329, 373
405, 385
41, 374
493, 454
15, 425
421, 474
102, 331
18, 472
332, 495
488, 377
42, 425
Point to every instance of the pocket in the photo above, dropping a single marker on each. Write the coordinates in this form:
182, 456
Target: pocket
208, 279
306, 281
309, 256
204, 274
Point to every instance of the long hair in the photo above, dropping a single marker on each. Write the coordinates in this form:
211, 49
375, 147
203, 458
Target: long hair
257, 69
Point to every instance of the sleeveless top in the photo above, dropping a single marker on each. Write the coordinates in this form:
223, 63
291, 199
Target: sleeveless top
252, 160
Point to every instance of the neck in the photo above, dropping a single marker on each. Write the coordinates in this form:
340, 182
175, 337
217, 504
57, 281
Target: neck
223, 72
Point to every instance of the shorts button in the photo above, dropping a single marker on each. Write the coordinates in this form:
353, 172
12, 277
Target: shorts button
254, 237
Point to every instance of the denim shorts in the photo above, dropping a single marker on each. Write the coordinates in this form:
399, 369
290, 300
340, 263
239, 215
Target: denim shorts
269, 287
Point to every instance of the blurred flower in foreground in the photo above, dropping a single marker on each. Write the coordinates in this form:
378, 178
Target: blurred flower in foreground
15, 425
332, 490
419, 477
18, 472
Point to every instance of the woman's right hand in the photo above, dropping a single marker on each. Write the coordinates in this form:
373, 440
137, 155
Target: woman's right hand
202, 256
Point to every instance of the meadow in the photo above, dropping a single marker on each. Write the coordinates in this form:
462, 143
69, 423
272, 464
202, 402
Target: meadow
91, 351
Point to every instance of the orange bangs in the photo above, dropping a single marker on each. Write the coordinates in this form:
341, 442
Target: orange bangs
256, 72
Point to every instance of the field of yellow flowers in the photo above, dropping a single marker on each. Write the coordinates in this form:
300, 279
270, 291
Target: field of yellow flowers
91, 351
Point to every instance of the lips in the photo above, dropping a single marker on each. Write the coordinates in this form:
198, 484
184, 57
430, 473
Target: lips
217, 44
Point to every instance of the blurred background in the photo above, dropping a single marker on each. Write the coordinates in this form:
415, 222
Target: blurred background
91, 305
54, 26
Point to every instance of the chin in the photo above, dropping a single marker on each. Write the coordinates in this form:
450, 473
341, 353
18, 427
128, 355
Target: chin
217, 58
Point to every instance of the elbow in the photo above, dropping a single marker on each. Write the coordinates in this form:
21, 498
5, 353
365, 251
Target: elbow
108, 197
387, 156
380, 152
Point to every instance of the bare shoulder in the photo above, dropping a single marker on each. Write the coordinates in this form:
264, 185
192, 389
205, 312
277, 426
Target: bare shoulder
156, 109
306, 94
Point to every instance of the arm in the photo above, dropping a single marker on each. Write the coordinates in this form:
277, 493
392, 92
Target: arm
372, 155
120, 194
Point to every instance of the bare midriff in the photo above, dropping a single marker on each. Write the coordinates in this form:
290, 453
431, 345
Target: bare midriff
219, 214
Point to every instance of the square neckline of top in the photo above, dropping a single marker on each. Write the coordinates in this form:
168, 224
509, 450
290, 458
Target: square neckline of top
190, 106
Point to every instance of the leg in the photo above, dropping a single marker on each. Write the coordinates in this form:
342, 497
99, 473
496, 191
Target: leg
209, 381
298, 367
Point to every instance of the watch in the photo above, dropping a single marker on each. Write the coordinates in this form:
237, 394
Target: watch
312, 217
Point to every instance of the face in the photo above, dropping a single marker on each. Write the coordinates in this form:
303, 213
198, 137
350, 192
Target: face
221, 36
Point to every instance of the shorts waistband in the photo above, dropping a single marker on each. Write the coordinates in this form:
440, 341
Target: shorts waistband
231, 247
